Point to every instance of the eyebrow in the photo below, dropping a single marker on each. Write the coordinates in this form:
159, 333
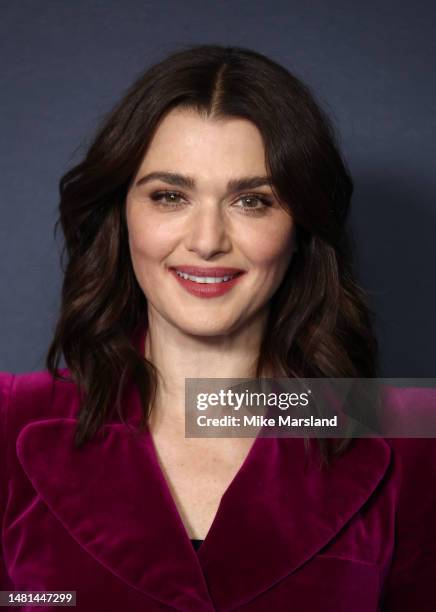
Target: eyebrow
188, 182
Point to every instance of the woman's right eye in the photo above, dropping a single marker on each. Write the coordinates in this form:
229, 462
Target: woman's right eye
167, 198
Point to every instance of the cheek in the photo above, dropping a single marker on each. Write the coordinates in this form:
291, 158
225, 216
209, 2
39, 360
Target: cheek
272, 248
148, 241
146, 252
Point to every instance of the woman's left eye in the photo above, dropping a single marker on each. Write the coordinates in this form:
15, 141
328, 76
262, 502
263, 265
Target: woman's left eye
255, 203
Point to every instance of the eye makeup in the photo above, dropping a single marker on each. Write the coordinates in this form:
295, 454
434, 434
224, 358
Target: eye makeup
174, 200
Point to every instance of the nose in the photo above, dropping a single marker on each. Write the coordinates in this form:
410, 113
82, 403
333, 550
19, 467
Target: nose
207, 232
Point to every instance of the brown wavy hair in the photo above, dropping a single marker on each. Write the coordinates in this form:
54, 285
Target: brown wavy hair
320, 324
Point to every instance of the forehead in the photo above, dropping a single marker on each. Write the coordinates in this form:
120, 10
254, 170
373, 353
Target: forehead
187, 141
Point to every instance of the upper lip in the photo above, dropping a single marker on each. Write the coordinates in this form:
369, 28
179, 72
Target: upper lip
217, 272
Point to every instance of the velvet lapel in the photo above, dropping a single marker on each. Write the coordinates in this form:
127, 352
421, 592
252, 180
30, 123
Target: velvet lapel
112, 499
277, 513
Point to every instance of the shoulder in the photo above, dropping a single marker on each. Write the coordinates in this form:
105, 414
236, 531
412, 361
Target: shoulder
410, 429
35, 396
29, 398
409, 410
413, 468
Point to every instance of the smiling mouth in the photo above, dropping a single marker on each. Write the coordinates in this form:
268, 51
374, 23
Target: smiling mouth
207, 279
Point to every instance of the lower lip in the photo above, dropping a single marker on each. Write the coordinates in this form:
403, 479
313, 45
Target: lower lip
207, 290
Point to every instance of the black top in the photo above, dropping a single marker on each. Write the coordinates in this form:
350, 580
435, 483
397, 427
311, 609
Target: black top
196, 543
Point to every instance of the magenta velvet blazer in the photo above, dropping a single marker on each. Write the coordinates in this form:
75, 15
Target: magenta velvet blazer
359, 537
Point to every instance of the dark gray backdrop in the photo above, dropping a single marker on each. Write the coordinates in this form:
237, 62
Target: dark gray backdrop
64, 64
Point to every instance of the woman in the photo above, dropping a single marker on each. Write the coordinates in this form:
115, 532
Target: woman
205, 237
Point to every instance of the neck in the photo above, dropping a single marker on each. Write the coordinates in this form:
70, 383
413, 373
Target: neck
178, 355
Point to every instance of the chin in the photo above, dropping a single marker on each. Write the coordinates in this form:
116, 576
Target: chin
206, 328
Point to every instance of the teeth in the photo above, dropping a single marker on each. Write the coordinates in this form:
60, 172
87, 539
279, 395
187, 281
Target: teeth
205, 279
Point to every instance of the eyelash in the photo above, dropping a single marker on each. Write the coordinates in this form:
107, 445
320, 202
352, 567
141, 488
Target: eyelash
266, 201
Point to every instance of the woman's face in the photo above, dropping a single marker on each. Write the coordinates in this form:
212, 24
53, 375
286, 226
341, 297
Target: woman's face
197, 216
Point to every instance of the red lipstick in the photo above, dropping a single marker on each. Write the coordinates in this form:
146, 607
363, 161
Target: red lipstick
207, 289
